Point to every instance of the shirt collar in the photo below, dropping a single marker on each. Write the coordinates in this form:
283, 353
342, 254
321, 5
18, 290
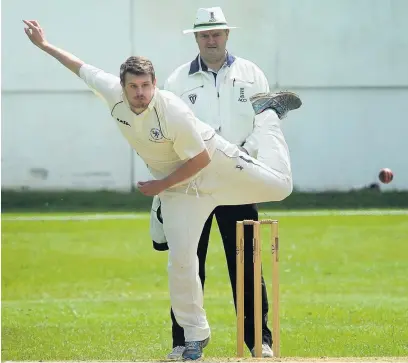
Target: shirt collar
198, 65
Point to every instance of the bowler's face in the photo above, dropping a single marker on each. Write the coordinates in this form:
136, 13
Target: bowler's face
139, 90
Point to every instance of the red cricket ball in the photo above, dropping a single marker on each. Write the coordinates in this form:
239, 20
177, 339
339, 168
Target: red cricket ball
385, 175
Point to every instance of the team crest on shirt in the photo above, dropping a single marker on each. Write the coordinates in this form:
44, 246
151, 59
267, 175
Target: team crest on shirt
192, 98
156, 134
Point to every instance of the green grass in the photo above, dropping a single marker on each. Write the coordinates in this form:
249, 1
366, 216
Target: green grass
96, 290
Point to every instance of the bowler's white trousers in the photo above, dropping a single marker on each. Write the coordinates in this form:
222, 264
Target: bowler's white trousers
231, 178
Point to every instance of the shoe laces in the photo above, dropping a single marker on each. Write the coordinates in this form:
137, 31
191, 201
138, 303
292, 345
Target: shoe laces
193, 345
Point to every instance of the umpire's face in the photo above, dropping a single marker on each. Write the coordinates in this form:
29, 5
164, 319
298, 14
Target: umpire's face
212, 44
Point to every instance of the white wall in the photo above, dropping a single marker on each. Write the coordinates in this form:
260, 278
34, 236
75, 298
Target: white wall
347, 60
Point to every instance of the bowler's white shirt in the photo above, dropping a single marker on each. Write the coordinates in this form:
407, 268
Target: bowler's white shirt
165, 135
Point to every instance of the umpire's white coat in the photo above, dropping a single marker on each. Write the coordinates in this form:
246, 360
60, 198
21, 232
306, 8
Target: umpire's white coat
225, 107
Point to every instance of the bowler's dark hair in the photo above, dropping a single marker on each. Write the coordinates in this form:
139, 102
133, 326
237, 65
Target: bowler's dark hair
136, 66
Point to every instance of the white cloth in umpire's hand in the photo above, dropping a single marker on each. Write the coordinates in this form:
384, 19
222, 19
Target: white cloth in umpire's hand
156, 226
